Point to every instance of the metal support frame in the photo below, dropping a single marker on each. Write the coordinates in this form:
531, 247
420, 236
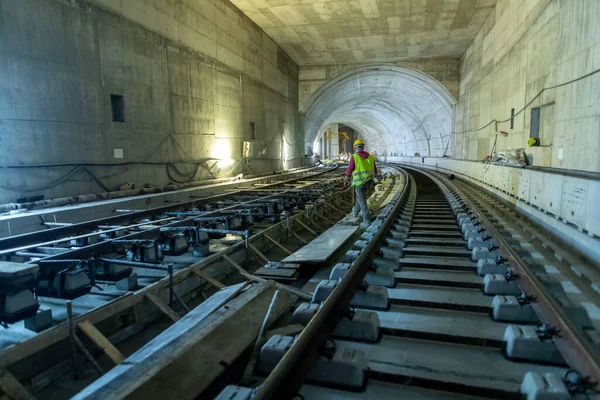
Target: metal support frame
131, 299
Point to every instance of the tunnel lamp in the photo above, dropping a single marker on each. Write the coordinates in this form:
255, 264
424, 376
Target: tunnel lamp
224, 163
505, 134
222, 152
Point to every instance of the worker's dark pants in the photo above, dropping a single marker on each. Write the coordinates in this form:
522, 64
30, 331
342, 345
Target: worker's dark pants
362, 192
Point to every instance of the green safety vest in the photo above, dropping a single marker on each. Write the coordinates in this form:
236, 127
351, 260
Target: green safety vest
364, 169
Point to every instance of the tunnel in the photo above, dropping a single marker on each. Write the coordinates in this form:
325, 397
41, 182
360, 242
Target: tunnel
184, 213
395, 110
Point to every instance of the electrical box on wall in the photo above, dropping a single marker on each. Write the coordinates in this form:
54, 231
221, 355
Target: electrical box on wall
248, 149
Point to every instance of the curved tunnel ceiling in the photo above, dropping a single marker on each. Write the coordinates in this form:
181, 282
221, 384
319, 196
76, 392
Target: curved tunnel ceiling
394, 109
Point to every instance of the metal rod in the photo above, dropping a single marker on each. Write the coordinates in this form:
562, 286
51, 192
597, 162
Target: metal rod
30, 254
54, 224
52, 242
71, 338
259, 340
139, 264
224, 231
170, 269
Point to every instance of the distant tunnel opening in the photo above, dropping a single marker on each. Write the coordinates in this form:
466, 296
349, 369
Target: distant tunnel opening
397, 111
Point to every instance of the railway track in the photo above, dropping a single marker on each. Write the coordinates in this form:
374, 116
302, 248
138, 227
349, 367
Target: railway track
127, 271
435, 300
457, 321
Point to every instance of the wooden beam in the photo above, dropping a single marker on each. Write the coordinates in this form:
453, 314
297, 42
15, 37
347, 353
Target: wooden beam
344, 201
163, 306
306, 227
249, 276
258, 253
206, 341
333, 220
304, 242
315, 224
275, 242
208, 279
97, 337
12, 387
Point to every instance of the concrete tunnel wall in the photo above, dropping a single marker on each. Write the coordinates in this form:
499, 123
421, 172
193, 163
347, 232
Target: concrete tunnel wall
396, 110
522, 48
194, 75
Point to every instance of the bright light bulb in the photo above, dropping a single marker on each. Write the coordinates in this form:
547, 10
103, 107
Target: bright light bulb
221, 149
224, 163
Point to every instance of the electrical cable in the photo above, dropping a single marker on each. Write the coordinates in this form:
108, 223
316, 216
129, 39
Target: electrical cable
62, 180
529, 103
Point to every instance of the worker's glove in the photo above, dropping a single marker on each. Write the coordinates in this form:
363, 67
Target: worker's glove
375, 180
346, 181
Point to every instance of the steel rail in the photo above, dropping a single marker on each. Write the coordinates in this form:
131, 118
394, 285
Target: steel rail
90, 250
287, 377
45, 339
32, 238
577, 350
129, 216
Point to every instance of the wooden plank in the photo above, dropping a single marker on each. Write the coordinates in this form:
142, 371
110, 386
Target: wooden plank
243, 272
324, 246
258, 253
199, 342
163, 306
276, 243
209, 279
12, 387
97, 337
276, 272
306, 227
304, 242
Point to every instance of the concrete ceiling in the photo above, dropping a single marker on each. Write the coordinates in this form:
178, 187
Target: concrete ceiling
322, 32
395, 110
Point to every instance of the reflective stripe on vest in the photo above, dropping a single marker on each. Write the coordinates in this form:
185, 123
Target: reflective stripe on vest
364, 169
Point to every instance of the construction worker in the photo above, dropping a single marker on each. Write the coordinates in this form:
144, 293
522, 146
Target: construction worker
362, 170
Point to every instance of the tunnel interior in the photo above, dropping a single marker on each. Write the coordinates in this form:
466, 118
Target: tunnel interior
395, 110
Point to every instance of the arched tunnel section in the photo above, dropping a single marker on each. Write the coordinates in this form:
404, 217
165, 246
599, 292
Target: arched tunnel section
396, 110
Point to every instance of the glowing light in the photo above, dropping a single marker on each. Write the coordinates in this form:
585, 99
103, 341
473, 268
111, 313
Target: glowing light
222, 151
224, 163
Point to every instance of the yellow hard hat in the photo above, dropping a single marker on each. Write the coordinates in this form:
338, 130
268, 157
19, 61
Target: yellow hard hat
359, 142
